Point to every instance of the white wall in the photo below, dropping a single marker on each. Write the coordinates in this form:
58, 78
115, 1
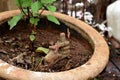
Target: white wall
113, 19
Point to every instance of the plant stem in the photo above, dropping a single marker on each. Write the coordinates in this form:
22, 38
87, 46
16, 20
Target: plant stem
41, 12
28, 11
20, 7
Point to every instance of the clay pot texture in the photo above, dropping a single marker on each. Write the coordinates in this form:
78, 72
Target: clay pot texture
89, 70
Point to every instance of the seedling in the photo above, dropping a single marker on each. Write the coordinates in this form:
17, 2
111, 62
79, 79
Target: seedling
29, 9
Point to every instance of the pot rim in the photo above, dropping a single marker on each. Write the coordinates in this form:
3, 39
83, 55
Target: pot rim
86, 71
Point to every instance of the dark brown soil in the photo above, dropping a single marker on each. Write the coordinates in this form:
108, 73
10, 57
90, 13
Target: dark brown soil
16, 42
8, 52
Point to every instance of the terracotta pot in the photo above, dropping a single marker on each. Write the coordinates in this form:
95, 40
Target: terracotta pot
86, 71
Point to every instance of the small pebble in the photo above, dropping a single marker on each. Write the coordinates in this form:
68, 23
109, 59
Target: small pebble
114, 75
10, 40
19, 38
3, 51
109, 72
12, 50
28, 61
26, 46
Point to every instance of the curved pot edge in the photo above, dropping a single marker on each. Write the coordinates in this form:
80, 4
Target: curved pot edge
88, 70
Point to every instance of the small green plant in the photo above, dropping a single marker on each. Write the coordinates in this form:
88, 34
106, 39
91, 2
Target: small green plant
29, 10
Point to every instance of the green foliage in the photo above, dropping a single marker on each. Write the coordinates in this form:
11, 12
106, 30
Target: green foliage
30, 8
33, 32
42, 49
47, 1
32, 37
34, 21
51, 8
53, 19
14, 20
36, 6
23, 3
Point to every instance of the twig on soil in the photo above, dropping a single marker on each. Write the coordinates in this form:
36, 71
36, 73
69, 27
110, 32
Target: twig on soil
68, 32
19, 57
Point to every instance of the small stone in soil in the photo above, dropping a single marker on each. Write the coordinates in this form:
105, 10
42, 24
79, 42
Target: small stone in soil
19, 38
16, 45
10, 40
28, 61
3, 51
26, 46
12, 50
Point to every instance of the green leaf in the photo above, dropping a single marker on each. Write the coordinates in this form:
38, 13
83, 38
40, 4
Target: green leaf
25, 10
33, 32
32, 37
24, 3
39, 60
42, 49
51, 8
34, 21
14, 20
47, 1
53, 19
36, 6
